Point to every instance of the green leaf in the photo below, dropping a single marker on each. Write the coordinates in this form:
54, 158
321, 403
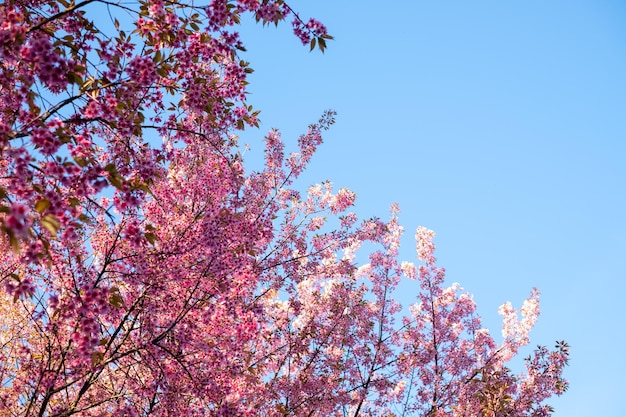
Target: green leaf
151, 237
80, 161
42, 205
322, 44
96, 358
75, 78
51, 223
111, 169
115, 181
13, 242
115, 299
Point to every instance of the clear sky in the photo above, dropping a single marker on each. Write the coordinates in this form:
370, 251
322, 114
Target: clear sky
499, 124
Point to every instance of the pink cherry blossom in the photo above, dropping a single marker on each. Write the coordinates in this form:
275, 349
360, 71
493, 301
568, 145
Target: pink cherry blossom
147, 271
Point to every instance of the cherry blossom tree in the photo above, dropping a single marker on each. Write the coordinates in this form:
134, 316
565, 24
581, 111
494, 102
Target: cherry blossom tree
147, 272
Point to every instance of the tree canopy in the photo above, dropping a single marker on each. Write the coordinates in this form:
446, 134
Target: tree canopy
147, 272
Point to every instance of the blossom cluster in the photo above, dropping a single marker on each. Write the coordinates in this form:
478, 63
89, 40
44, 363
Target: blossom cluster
146, 271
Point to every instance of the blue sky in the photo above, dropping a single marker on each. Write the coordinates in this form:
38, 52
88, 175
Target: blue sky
499, 124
